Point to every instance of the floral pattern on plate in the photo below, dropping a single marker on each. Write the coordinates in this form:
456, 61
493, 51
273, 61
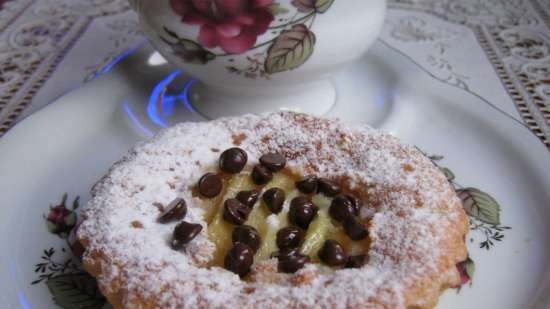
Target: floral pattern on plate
484, 213
70, 286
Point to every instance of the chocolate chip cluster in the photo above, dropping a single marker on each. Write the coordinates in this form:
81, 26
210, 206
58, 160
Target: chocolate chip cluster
184, 232
344, 209
246, 240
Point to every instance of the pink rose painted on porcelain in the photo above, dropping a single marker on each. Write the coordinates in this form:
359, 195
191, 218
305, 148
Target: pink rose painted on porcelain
232, 25
245, 29
60, 220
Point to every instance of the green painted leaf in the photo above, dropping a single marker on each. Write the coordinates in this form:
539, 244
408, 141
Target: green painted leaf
187, 50
291, 49
306, 6
70, 220
448, 173
480, 205
189, 45
436, 157
470, 268
323, 5
64, 198
75, 291
52, 228
76, 203
277, 9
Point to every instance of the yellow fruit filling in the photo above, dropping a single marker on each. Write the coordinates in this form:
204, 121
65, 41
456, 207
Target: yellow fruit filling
267, 224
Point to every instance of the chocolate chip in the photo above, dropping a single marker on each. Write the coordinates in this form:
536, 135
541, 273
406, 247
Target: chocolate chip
233, 160
184, 232
289, 237
235, 212
273, 161
261, 175
302, 211
354, 228
249, 198
286, 253
248, 236
341, 208
356, 202
239, 259
291, 261
332, 253
328, 187
307, 185
356, 261
293, 264
210, 185
274, 198
175, 211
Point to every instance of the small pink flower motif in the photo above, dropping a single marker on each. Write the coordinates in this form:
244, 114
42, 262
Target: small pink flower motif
60, 220
466, 270
232, 25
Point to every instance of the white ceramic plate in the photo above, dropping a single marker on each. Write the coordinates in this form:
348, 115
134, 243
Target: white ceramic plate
70, 144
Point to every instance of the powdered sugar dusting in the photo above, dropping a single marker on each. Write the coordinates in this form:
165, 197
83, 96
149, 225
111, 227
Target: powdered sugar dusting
416, 222
273, 221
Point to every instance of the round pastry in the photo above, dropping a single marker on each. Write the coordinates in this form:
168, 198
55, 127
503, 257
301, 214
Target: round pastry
275, 211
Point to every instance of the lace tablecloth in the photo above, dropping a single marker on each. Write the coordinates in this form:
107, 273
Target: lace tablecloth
498, 50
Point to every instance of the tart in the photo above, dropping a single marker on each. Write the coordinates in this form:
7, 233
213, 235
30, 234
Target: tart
282, 210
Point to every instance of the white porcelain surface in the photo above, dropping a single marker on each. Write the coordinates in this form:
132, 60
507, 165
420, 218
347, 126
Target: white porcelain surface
337, 36
71, 143
316, 98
